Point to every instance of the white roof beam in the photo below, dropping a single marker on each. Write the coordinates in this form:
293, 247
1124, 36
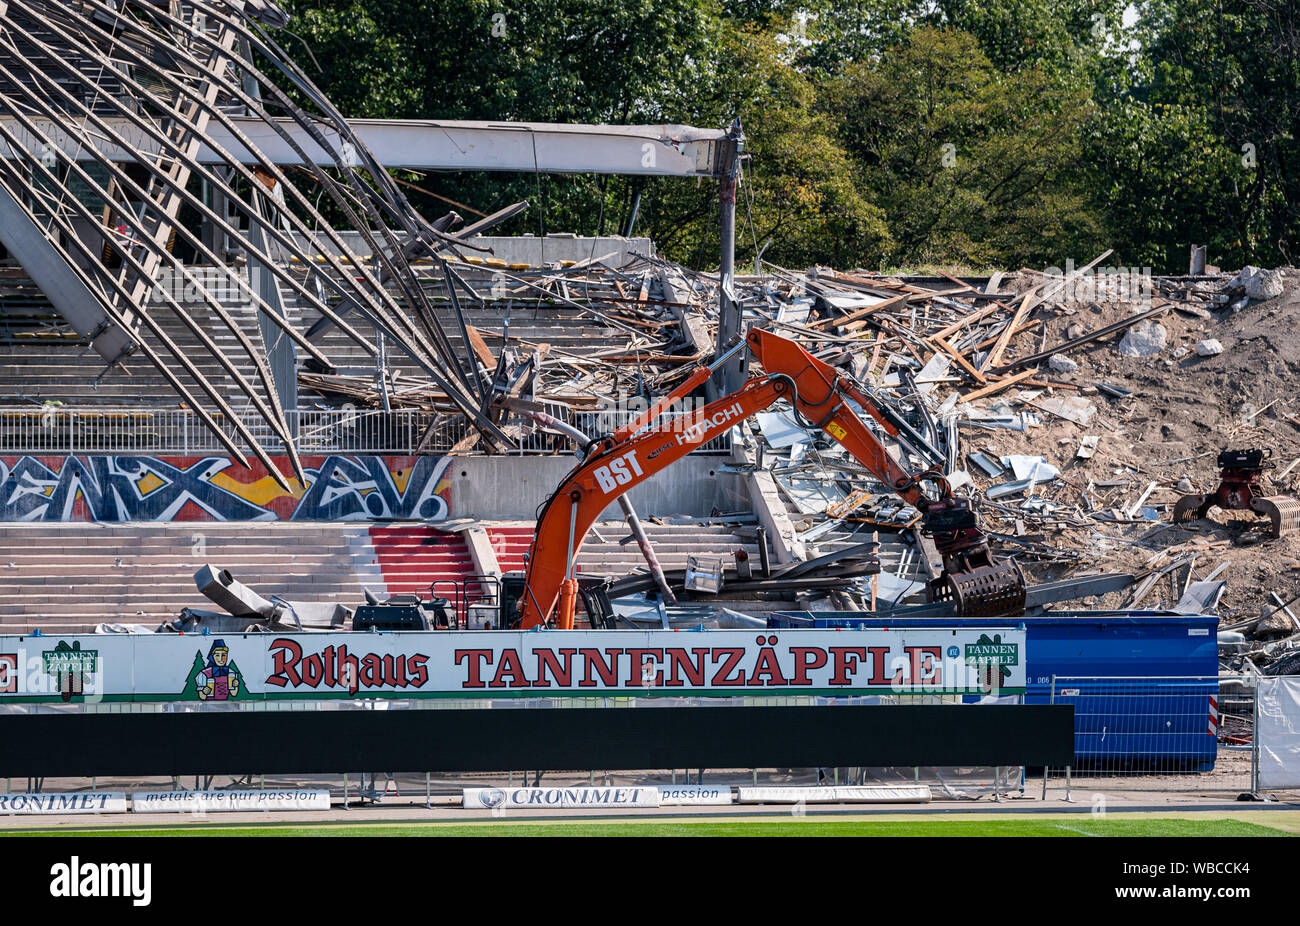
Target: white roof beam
646, 150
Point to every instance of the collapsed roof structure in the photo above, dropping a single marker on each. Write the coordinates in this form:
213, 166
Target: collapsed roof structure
115, 103
143, 139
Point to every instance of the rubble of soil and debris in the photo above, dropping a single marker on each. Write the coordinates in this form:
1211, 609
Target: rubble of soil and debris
1074, 409
1080, 431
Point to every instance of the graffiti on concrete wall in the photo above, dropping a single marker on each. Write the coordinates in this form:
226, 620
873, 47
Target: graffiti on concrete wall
216, 488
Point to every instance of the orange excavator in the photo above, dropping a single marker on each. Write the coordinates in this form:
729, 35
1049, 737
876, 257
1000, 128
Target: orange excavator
615, 463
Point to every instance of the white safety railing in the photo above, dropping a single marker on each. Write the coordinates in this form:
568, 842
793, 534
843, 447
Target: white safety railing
56, 430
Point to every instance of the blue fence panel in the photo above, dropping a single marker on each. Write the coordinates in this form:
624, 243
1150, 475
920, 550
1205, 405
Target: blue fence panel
1145, 682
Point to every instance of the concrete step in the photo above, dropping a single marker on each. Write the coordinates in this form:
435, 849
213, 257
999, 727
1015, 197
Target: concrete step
67, 576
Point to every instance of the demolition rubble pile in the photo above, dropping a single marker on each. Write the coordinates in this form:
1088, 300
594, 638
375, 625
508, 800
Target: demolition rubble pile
1075, 408
564, 338
1077, 416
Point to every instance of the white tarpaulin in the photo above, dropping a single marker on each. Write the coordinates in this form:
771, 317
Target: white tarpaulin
71, 802
541, 798
915, 794
702, 795
1278, 733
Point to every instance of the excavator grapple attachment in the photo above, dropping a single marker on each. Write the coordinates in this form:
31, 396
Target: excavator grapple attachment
1192, 508
976, 584
1282, 510
985, 591
1239, 490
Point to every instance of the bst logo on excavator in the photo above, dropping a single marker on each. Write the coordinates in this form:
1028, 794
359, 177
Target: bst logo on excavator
616, 473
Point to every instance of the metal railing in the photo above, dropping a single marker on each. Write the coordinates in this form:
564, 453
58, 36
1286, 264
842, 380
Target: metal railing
946, 783
1184, 733
55, 430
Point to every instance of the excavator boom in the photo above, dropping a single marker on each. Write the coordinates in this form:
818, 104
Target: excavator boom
617, 463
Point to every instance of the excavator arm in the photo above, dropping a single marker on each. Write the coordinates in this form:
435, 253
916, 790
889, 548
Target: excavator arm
620, 461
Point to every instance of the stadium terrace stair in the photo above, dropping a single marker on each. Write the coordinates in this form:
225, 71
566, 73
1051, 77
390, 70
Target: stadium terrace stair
70, 577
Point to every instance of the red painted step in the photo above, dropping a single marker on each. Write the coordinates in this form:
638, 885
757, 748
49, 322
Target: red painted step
510, 545
412, 557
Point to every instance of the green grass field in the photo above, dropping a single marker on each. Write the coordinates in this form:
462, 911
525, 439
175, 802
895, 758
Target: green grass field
1073, 826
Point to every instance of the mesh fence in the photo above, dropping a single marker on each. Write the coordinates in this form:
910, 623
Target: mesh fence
1192, 733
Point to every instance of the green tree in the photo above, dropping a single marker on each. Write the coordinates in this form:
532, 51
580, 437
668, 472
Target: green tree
1067, 130
970, 165
525, 60
798, 189
1196, 141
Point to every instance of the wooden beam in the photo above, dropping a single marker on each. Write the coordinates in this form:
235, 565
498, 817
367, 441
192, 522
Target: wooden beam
989, 341
998, 386
961, 361
1049, 384
969, 319
875, 356
1160, 306
1031, 300
995, 354
965, 286
480, 347
860, 313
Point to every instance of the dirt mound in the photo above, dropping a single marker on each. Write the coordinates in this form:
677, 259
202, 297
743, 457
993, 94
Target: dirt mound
1181, 410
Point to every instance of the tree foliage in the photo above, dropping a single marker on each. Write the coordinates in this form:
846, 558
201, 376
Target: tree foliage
970, 164
882, 132
1197, 138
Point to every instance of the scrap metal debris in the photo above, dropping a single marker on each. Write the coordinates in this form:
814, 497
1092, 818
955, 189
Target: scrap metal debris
108, 151
106, 140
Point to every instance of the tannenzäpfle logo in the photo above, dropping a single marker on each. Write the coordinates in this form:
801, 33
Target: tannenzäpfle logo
987, 653
70, 666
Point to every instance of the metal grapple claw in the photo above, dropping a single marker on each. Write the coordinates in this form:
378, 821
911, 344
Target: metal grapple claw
975, 584
996, 590
1239, 490
1191, 508
1282, 510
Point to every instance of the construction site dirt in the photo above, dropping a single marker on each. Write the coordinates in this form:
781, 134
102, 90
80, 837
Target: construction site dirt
1181, 410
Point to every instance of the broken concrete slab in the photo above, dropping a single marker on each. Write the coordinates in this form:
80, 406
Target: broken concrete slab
1145, 339
1259, 284
1059, 363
